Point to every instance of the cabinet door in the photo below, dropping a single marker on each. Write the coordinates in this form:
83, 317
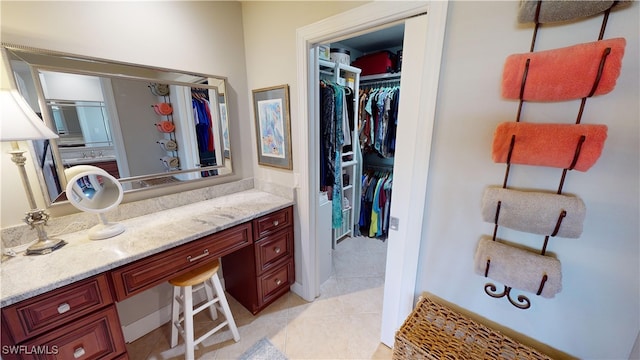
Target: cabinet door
42, 313
97, 336
273, 250
273, 222
147, 273
275, 283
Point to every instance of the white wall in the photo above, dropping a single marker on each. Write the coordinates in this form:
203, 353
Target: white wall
199, 36
270, 40
270, 34
596, 314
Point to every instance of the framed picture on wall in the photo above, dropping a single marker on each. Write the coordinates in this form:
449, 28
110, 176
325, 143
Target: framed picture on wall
273, 126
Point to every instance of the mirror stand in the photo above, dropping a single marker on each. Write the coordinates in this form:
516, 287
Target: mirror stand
105, 229
92, 189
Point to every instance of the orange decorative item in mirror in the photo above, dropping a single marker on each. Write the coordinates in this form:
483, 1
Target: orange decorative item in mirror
165, 126
163, 108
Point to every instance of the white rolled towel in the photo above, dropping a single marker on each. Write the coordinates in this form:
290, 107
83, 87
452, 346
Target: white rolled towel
534, 212
518, 268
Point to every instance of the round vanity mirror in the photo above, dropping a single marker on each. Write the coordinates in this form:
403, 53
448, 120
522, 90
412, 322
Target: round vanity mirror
92, 189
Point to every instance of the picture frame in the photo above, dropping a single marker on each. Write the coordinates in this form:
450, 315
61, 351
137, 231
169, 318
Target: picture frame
273, 126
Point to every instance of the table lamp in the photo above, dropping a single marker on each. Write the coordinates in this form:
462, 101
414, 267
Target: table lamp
19, 122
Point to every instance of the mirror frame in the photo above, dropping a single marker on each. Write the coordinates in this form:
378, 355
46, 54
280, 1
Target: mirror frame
49, 60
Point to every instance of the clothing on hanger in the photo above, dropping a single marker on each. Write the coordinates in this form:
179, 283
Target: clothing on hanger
378, 119
335, 110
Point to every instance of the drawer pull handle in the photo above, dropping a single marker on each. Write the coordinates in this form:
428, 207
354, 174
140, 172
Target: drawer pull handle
78, 353
204, 253
276, 250
278, 282
63, 308
275, 223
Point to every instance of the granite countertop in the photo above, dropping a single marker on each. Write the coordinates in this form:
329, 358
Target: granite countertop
23, 277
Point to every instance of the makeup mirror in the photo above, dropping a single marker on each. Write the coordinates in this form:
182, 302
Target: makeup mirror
92, 189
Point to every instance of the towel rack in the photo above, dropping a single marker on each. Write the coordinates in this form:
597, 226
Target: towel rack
521, 301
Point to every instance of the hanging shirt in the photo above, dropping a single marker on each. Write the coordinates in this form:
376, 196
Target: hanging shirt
375, 211
202, 125
327, 139
336, 203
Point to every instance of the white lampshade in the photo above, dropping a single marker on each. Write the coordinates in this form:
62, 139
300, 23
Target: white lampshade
18, 121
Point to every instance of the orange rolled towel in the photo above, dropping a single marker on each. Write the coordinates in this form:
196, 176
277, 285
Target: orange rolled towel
552, 145
565, 73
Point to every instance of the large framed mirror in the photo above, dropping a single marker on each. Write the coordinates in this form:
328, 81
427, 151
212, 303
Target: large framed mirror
145, 126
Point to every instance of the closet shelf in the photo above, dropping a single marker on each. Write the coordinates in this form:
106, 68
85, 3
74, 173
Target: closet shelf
349, 163
384, 76
332, 65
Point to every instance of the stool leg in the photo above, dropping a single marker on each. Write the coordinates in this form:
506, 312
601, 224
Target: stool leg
208, 288
188, 323
175, 313
225, 307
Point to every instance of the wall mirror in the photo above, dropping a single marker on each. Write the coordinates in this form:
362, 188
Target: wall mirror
145, 126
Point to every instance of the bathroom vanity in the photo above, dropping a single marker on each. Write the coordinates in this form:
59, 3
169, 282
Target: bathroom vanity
63, 304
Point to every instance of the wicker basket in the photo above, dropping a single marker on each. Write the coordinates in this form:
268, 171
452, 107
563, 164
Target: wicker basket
435, 332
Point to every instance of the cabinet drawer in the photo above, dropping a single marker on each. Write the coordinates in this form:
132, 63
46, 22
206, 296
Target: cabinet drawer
275, 283
273, 222
144, 274
45, 312
96, 336
273, 250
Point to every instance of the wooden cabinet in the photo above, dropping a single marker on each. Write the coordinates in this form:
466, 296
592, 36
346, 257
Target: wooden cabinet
76, 321
258, 275
144, 274
97, 336
80, 320
110, 167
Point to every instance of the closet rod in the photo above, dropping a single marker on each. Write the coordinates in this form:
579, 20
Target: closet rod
383, 83
380, 167
385, 76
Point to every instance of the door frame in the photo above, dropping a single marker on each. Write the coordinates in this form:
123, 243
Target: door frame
400, 279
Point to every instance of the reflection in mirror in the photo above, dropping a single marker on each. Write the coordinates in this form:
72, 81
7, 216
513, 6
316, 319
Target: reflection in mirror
144, 126
92, 189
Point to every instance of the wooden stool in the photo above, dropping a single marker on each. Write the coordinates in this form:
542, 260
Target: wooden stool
183, 287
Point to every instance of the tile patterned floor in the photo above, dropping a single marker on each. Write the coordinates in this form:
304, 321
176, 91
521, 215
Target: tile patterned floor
343, 323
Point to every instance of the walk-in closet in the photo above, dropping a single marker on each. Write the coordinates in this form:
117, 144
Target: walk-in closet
357, 100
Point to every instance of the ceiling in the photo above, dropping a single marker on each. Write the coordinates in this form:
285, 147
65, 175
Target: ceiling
377, 40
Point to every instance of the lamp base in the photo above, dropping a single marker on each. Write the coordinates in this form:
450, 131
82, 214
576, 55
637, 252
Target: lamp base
45, 246
37, 218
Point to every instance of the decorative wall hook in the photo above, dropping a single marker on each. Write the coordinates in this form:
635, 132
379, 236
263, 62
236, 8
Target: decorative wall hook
522, 302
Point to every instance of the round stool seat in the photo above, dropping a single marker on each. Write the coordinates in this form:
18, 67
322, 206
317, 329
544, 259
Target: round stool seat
196, 276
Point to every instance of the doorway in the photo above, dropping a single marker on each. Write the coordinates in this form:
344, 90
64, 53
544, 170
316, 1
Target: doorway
371, 90
418, 104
